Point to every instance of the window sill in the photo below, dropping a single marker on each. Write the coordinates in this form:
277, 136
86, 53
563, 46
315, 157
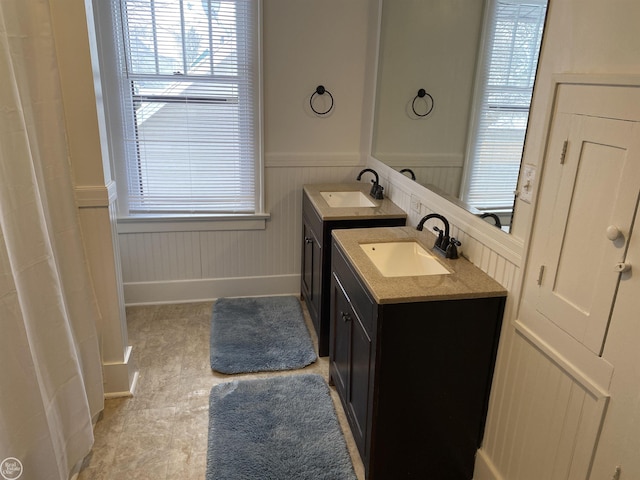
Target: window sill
191, 223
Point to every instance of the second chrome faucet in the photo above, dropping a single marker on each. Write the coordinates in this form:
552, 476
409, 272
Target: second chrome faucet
444, 243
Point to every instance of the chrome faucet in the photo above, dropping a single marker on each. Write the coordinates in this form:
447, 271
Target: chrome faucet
376, 188
445, 244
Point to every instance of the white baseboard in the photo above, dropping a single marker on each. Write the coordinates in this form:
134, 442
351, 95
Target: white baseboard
120, 378
484, 468
184, 291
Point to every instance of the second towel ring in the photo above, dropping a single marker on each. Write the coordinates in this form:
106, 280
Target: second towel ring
320, 90
421, 94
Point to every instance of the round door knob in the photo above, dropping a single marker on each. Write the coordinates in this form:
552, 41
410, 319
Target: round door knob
613, 232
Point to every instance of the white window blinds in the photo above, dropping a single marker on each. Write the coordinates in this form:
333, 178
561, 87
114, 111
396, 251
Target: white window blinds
189, 71
507, 77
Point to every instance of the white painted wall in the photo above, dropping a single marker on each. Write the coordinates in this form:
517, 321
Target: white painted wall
306, 44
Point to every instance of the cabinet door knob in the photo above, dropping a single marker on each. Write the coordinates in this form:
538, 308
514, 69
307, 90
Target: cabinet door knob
346, 317
308, 240
622, 267
613, 232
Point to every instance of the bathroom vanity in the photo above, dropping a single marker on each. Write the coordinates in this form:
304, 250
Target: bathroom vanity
348, 209
412, 357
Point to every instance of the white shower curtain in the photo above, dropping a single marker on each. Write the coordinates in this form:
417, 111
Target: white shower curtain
50, 369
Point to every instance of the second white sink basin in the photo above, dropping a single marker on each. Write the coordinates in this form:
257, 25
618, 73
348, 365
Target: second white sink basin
347, 199
403, 259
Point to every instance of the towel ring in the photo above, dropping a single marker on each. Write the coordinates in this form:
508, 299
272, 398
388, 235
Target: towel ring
421, 94
320, 90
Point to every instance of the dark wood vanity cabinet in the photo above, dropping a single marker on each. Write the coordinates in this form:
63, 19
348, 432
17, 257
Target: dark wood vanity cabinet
316, 262
413, 378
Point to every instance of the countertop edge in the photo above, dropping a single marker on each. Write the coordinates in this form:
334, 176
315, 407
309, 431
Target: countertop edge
384, 208
475, 284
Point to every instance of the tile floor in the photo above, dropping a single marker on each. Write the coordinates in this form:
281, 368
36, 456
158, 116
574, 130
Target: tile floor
161, 432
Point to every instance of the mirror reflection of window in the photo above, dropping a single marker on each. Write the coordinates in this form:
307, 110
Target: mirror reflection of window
506, 76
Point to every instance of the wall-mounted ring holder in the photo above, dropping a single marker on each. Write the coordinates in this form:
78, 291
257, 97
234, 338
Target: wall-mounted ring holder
428, 101
320, 90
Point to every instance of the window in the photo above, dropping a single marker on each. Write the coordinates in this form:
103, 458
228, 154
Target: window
507, 75
190, 109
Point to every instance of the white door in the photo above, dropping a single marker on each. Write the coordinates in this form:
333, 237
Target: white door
593, 183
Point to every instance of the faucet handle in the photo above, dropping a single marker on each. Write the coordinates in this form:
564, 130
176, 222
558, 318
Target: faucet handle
376, 190
444, 240
452, 248
440, 237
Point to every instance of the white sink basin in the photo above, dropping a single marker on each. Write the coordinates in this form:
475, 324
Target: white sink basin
403, 259
347, 199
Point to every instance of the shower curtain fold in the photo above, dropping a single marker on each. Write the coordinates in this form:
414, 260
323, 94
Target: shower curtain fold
50, 367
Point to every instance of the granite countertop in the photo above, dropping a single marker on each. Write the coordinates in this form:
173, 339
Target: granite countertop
384, 208
465, 280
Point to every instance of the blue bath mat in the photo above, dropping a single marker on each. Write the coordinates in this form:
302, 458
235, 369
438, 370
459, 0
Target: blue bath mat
277, 428
259, 334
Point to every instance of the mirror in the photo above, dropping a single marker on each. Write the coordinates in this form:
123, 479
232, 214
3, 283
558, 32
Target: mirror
435, 59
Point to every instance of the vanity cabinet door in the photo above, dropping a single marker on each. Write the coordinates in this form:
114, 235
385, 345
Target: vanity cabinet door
311, 271
351, 357
340, 338
350, 363
359, 388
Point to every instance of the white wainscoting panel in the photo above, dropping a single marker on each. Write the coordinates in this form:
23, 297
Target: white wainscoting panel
441, 171
446, 179
152, 262
149, 257
543, 422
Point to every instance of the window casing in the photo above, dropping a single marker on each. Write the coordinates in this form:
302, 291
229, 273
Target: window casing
189, 123
507, 70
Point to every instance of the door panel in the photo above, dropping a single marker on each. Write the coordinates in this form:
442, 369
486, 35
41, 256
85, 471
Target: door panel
307, 258
340, 337
359, 381
597, 187
311, 271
